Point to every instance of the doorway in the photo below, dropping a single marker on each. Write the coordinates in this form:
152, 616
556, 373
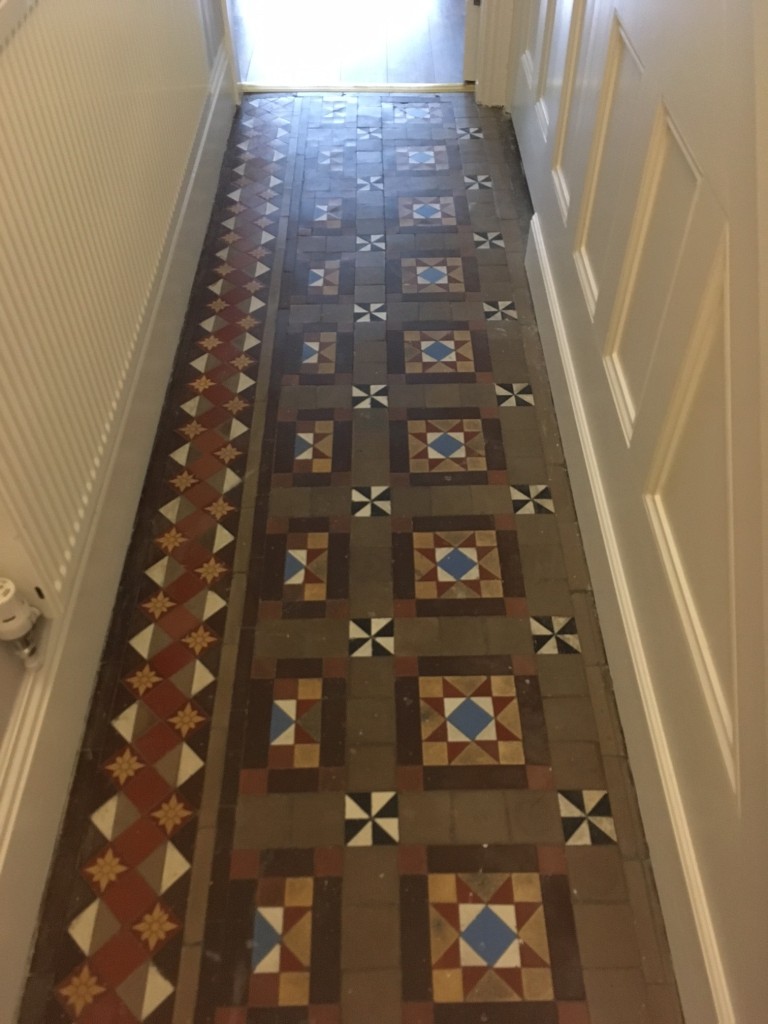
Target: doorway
348, 42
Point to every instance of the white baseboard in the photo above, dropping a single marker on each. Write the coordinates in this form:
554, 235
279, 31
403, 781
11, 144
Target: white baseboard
41, 744
691, 931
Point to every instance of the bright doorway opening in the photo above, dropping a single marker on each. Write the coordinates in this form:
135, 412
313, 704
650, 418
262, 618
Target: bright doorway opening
303, 43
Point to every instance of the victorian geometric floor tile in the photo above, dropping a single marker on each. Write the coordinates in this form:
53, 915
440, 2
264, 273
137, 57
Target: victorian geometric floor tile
343, 763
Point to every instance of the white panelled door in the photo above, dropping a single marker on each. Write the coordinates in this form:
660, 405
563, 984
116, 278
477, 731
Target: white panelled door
637, 124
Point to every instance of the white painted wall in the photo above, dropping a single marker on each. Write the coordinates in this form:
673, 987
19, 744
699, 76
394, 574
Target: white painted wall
642, 126
112, 127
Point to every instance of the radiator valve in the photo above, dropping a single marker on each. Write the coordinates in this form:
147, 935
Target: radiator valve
17, 621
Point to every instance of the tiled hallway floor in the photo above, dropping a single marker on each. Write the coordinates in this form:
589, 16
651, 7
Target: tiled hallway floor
353, 756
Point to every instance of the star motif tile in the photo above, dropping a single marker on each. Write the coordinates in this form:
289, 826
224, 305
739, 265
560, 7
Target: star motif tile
438, 352
305, 572
470, 720
313, 449
456, 564
421, 158
427, 211
371, 819
586, 816
488, 938
432, 275
323, 279
446, 446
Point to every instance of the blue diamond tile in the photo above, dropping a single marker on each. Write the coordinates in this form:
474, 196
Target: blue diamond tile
301, 446
433, 275
265, 938
438, 351
446, 445
281, 721
426, 210
489, 936
292, 566
457, 563
470, 719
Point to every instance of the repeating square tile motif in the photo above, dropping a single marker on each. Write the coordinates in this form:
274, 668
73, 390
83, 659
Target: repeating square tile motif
441, 352
295, 728
470, 720
488, 938
324, 278
467, 567
421, 158
502, 310
312, 447
438, 352
406, 112
427, 211
469, 723
446, 447
474, 182
456, 564
432, 275
369, 312
304, 572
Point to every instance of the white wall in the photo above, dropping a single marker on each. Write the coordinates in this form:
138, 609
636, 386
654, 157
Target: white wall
113, 123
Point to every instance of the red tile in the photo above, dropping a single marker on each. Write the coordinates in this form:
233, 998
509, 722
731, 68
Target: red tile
244, 864
119, 957
129, 896
140, 839
164, 699
552, 860
146, 788
157, 741
231, 1015
572, 1013
329, 861
173, 658
418, 1013
539, 776
412, 860
253, 781
107, 1007
178, 622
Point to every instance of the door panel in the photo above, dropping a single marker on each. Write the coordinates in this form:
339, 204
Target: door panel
636, 122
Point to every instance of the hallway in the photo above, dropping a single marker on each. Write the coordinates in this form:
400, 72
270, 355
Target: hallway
353, 754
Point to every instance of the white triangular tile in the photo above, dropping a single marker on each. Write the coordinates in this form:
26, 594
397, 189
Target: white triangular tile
229, 480
189, 764
157, 990
243, 382
82, 928
202, 677
221, 538
236, 428
217, 286
125, 722
181, 455
171, 510
213, 604
174, 867
142, 642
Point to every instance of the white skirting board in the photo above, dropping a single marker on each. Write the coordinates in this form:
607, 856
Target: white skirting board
690, 929
41, 744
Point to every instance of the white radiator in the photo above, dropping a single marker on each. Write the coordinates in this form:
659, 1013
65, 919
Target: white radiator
91, 159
